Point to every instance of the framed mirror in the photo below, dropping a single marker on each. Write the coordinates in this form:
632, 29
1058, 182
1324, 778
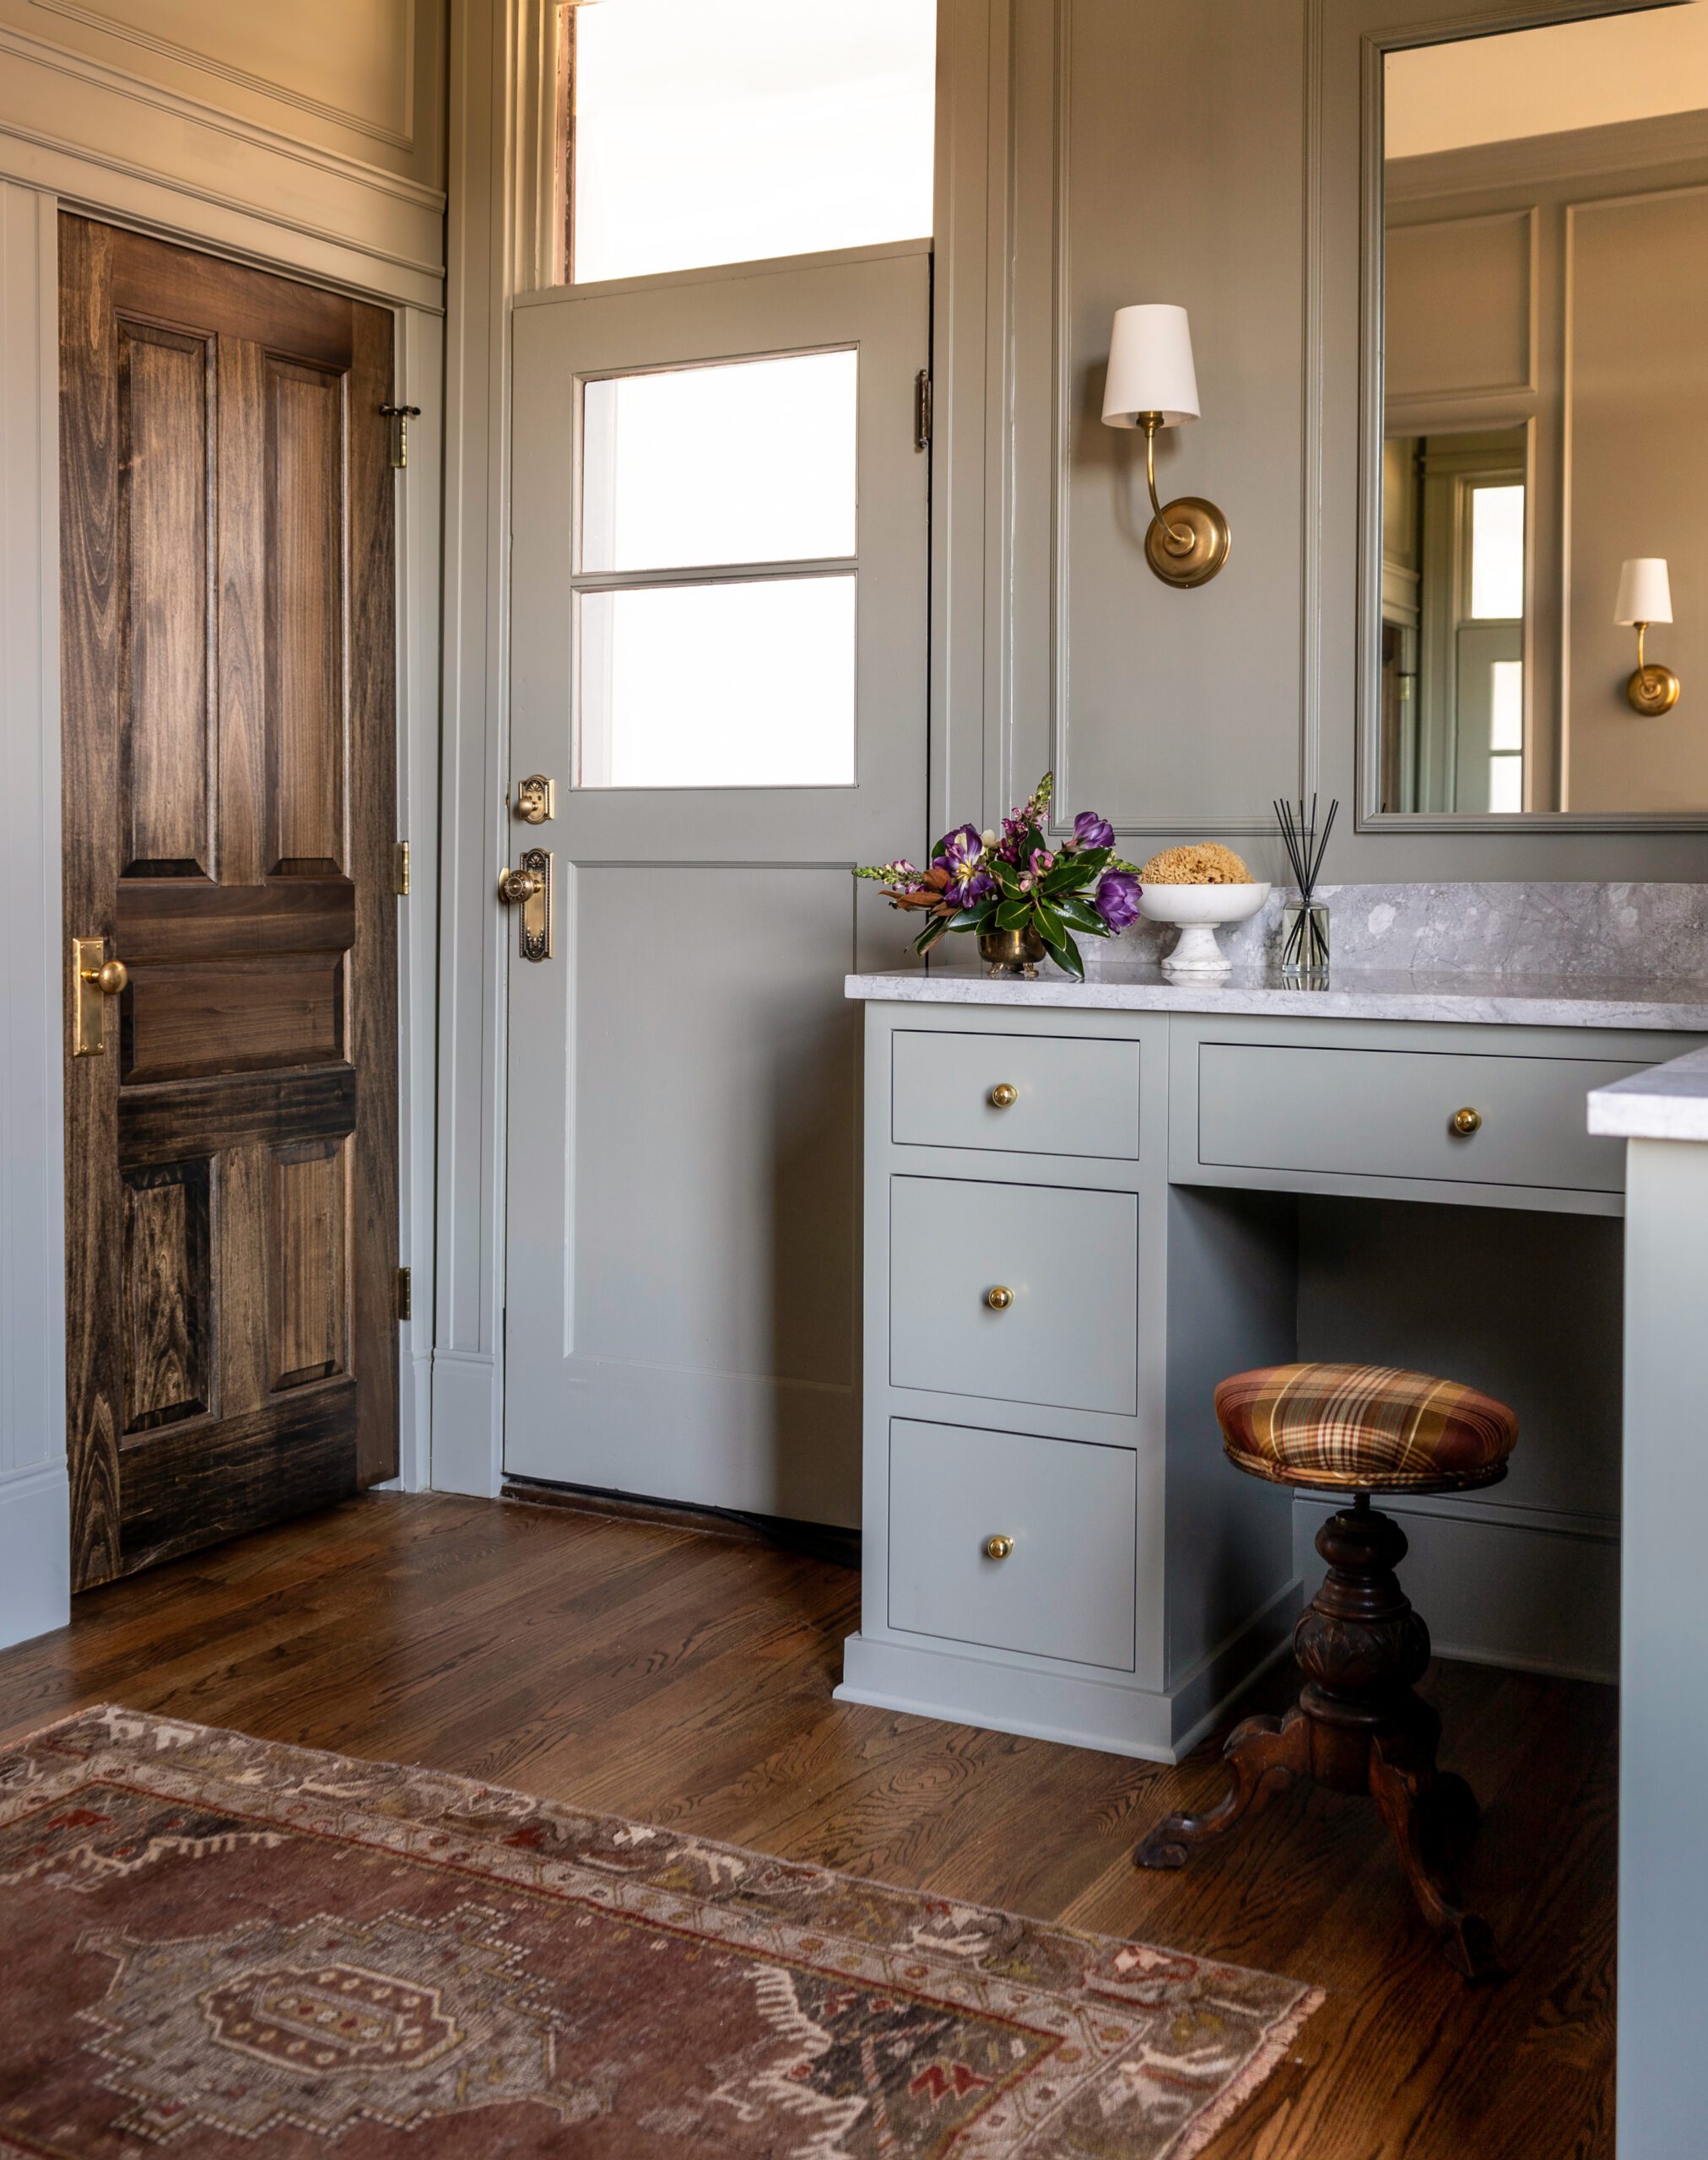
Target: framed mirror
1537, 385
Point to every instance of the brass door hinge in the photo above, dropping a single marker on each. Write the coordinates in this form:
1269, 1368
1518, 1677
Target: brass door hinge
403, 414
921, 409
405, 1295
401, 868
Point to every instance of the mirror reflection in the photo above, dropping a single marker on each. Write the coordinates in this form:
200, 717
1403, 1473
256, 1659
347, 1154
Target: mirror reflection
1544, 470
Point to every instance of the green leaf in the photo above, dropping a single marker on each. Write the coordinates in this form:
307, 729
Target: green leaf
1050, 927
936, 928
969, 918
1014, 915
1068, 958
1079, 913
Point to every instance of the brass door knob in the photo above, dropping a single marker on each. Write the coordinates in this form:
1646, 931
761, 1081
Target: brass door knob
1004, 1097
998, 1546
1000, 1299
1467, 1121
109, 978
516, 886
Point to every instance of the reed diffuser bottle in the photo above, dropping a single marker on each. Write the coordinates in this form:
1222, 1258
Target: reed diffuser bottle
1304, 922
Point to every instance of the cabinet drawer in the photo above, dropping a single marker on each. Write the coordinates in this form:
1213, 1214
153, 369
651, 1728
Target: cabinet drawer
1072, 1095
1388, 1114
1067, 1588
1068, 1338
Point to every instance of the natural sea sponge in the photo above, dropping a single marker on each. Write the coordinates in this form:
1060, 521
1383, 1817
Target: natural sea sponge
1203, 862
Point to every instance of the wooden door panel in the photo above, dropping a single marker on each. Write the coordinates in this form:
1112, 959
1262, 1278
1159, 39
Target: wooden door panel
169, 1315
306, 581
164, 745
307, 1261
185, 1022
229, 663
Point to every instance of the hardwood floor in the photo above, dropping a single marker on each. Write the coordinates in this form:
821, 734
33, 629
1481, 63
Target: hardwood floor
659, 1673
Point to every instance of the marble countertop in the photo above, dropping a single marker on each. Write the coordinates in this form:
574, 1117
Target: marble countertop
1361, 993
1670, 1102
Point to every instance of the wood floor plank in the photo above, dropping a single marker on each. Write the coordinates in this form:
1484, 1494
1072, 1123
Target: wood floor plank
646, 1669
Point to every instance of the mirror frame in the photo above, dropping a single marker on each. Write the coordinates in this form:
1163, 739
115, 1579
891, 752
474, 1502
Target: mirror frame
1448, 27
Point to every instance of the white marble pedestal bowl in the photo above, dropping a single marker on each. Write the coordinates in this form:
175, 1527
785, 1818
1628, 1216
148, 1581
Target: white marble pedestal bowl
1199, 910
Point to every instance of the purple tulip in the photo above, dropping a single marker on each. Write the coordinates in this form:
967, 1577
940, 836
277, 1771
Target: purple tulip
1089, 830
1117, 898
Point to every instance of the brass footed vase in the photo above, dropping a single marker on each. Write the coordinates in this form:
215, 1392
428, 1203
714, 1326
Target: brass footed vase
1011, 952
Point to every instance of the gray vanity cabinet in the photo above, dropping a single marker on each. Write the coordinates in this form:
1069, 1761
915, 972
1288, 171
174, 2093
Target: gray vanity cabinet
1077, 1219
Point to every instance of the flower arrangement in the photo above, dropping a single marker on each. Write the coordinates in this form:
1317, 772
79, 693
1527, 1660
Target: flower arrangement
1015, 881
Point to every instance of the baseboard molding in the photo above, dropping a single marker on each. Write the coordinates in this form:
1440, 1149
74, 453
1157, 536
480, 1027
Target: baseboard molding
965, 1687
821, 1540
466, 1425
1533, 1598
35, 1551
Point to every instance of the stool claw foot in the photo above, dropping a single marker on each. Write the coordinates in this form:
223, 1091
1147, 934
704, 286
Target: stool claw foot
1265, 1755
1413, 1799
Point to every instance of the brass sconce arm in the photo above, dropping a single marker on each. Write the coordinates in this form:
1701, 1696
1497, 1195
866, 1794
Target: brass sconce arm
1188, 540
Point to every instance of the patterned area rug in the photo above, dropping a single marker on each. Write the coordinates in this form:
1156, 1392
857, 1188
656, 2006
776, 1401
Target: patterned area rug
220, 1947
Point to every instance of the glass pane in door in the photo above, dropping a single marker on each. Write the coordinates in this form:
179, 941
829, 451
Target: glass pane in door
746, 461
740, 684
726, 131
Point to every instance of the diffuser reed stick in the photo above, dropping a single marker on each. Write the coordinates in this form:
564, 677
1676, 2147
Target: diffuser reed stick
1305, 938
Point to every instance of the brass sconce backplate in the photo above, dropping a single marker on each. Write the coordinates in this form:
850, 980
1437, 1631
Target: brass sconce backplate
1188, 542
1652, 691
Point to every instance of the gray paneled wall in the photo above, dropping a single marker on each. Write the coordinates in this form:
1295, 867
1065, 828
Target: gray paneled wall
1210, 156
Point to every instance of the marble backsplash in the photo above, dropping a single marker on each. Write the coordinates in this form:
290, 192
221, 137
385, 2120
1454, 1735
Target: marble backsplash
1653, 931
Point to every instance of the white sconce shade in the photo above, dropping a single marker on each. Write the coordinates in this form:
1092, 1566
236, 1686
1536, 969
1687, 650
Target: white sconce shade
1645, 593
1151, 368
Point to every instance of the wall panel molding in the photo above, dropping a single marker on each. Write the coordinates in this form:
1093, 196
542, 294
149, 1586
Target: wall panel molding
207, 62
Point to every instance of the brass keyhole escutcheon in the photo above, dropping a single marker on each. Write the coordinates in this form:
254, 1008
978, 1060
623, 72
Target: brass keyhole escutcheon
998, 1546
1000, 1299
1004, 1097
1467, 1121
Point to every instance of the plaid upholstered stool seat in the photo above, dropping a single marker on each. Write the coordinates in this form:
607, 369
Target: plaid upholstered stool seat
1359, 1726
1363, 1429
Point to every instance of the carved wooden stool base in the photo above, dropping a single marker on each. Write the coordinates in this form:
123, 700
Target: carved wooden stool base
1358, 1727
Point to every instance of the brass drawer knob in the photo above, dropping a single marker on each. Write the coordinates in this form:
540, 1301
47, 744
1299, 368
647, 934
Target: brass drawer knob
1004, 1097
999, 1547
1467, 1121
109, 978
1000, 1299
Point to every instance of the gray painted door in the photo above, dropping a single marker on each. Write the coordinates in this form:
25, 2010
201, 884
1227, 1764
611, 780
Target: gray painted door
683, 1181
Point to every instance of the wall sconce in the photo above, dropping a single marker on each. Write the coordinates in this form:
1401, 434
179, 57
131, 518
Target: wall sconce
1645, 596
1152, 384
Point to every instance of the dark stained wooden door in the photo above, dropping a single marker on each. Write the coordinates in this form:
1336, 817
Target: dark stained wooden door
227, 668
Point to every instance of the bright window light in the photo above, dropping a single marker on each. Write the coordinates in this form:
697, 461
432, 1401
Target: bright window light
728, 131
748, 462
1506, 705
742, 683
1497, 553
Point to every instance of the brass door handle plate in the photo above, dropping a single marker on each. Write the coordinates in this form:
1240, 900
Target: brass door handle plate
1464, 1123
536, 802
1004, 1097
998, 1546
530, 889
94, 978
1000, 1299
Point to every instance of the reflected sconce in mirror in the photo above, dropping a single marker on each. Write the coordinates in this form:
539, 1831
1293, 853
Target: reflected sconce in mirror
1645, 596
1152, 384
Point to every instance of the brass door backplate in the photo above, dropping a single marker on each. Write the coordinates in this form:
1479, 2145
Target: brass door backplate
535, 800
94, 980
534, 932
